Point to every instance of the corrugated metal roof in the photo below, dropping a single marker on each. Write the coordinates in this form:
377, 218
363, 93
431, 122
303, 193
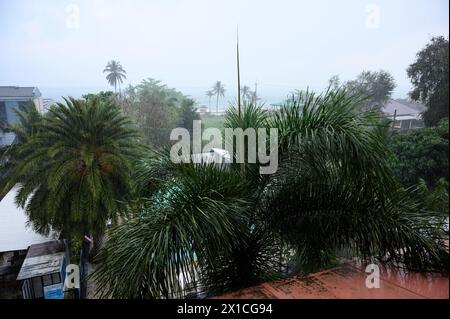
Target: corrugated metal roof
402, 108
347, 281
19, 91
42, 259
14, 232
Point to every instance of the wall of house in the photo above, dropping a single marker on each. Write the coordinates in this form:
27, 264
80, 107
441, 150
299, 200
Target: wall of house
11, 104
11, 116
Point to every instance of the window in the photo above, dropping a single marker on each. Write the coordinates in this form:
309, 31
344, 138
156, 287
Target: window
51, 279
2, 114
37, 287
55, 278
47, 280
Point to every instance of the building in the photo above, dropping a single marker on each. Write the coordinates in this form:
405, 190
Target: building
404, 114
43, 271
203, 109
16, 236
10, 99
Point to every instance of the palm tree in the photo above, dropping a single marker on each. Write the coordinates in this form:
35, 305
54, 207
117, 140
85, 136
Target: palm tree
219, 90
29, 124
209, 94
209, 229
253, 97
115, 74
245, 92
75, 171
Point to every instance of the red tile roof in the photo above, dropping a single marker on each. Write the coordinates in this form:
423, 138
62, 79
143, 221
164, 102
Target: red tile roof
347, 281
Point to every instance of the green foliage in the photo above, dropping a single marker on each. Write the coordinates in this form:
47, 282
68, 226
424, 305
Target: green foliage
188, 114
76, 168
421, 154
435, 199
334, 188
115, 73
218, 89
197, 215
228, 228
102, 95
375, 86
213, 121
155, 109
429, 76
30, 124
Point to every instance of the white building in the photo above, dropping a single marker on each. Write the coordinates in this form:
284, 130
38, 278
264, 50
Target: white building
405, 114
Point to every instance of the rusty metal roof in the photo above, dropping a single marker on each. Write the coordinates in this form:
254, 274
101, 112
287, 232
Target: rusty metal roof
347, 281
42, 259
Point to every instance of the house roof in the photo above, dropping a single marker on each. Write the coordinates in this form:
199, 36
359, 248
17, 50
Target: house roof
15, 234
347, 281
19, 91
402, 107
42, 259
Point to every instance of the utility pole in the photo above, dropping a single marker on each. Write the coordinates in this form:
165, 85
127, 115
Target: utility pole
256, 91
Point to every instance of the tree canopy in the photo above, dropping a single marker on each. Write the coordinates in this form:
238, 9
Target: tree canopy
421, 154
73, 170
429, 76
209, 229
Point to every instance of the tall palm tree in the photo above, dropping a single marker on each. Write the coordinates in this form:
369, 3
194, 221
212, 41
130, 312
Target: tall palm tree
115, 74
246, 93
75, 171
210, 229
209, 94
219, 90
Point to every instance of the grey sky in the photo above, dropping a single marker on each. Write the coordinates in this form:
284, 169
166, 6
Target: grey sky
285, 45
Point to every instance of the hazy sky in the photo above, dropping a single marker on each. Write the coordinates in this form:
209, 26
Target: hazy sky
285, 45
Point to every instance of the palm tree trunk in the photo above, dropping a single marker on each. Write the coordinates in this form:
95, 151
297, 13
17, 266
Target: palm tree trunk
217, 104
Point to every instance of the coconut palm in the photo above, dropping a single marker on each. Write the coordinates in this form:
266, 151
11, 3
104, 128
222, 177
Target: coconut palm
115, 74
75, 171
246, 93
209, 94
219, 90
211, 229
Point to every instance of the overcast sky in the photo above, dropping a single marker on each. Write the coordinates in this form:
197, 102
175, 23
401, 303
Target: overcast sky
285, 45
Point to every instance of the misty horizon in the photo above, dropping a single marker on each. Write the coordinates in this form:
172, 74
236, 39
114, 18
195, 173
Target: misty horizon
62, 48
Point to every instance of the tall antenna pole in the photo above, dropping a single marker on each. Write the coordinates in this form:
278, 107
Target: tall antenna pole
238, 72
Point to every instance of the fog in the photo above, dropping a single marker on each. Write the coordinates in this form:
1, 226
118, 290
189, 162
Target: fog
62, 47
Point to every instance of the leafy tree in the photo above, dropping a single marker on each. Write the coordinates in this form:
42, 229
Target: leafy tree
115, 74
377, 86
154, 108
75, 171
210, 229
188, 114
219, 90
103, 95
435, 199
334, 82
429, 76
421, 154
